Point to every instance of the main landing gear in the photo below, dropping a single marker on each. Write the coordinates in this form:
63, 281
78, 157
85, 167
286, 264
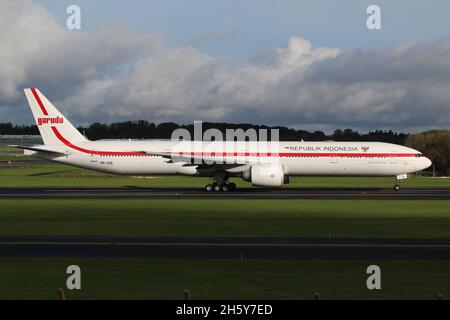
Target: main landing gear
220, 183
225, 187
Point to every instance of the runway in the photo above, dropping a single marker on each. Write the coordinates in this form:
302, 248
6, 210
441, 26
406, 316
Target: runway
226, 248
244, 193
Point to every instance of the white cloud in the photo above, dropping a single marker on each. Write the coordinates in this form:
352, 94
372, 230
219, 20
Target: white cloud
35, 49
115, 74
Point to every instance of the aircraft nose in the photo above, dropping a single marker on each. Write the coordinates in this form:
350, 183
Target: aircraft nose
427, 162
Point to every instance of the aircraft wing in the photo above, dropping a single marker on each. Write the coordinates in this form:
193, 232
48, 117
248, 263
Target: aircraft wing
206, 159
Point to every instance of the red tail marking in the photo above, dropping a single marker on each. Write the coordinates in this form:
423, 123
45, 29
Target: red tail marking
106, 153
39, 101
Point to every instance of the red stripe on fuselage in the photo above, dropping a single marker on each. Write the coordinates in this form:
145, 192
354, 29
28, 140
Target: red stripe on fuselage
294, 154
39, 101
233, 154
108, 153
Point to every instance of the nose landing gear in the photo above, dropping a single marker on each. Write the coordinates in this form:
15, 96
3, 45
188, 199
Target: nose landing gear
400, 177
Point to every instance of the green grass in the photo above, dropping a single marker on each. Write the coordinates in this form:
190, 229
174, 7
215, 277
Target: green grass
5, 148
108, 278
246, 218
10, 153
58, 175
17, 157
128, 278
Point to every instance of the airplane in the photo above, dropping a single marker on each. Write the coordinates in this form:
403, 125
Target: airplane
271, 167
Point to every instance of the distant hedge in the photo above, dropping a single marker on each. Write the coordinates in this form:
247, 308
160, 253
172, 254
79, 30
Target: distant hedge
435, 145
146, 130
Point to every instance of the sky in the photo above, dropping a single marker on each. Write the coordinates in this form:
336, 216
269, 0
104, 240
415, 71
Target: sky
305, 64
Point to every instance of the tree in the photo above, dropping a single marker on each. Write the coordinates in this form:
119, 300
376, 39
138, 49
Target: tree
435, 145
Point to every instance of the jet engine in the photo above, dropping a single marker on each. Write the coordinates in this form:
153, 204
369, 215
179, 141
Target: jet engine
265, 175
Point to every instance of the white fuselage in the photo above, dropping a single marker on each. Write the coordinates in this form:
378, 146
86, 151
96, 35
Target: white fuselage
135, 157
260, 162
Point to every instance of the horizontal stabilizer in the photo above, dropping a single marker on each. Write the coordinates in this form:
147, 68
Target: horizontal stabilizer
40, 149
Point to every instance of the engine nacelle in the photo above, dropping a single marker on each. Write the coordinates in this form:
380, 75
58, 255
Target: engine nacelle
265, 176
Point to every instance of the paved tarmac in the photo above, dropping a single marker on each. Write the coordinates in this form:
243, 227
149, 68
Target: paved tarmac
244, 193
226, 248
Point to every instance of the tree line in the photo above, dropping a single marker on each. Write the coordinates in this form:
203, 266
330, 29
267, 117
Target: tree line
146, 130
435, 145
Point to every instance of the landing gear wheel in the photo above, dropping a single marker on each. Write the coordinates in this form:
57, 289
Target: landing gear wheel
217, 187
397, 187
209, 187
225, 187
232, 186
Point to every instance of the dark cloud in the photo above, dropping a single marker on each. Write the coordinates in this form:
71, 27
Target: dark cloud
115, 74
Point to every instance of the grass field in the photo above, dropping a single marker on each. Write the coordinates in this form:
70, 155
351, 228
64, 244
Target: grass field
128, 278
247, 218
10, 153
57, 175
16, 157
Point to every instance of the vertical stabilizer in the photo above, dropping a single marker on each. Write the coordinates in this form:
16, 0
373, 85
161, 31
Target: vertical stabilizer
51, 123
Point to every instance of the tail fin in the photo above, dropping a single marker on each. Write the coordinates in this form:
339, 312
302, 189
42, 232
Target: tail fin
50, 121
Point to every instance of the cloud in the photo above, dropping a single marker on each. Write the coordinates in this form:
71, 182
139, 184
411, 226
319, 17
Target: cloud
35, 49
114, 74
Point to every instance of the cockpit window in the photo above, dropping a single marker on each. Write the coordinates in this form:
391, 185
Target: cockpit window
419, 155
